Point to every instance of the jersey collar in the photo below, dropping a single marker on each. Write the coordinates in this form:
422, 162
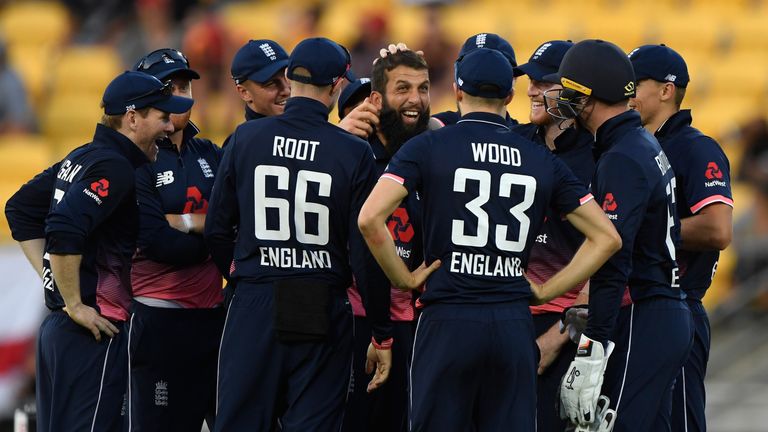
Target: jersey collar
303, 106
609, 132
484, 117
677, 121
251, 114
109, 137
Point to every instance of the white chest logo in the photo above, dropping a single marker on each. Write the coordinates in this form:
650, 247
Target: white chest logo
164, 178
207, 171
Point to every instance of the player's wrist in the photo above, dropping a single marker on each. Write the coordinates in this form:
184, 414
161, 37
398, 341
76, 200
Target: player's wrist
384, 344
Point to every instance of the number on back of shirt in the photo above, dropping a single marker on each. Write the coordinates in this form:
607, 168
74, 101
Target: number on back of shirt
480, 238
303, 210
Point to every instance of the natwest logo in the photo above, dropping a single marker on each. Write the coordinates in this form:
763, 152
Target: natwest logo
101, 187
399, 226
713, 172
609, 203
195, 201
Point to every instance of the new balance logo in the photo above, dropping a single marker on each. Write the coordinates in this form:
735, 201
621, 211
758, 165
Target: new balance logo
268, 51
671, 78
164, 178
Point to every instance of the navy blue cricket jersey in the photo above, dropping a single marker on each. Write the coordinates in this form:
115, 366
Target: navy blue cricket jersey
294, 185
249, 115
93, 213
558, 240
636, 186
405, 227
451, 117
485, 191
170, 264
703, 177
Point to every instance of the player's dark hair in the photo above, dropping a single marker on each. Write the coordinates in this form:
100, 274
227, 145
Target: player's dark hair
383, 65
679, 95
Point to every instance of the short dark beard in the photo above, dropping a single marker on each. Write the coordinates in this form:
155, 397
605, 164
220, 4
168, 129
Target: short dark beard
395, 132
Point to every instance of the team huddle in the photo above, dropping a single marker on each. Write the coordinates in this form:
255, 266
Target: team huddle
399, 271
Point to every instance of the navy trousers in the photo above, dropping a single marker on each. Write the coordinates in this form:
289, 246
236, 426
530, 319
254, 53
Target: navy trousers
80, 383
265, 384
172, 355
386, 409
474, 369
548, 384
689, 396
653, 338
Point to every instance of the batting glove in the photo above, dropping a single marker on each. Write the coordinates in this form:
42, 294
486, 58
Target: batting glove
605, 418
580, 387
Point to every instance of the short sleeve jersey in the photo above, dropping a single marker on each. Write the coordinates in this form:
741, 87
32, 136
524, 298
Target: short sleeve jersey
485, 192
703, 177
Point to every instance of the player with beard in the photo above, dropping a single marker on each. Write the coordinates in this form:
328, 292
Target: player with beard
400, 92
177, 317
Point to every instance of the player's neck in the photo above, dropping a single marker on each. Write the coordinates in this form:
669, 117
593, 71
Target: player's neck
176, 138
660, 118
552, 130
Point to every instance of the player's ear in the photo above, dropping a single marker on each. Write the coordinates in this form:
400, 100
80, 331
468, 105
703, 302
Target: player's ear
244, 94
509, 97
377, 99
667, 91
458, 93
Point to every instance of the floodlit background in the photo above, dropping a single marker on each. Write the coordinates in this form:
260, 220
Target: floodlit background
56, 58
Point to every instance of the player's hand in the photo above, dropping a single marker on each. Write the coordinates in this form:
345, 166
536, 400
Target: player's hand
393, 49
550, 344
381, 361
537, 292
176, 222
187, 222
604, 418
420, 275
580, 387
87, 317
361, 120
574, 320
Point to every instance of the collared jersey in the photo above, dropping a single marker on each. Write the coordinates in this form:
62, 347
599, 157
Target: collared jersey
703, 177
249, 115
558, 240
405, 228
93, 213
635, 184
485, 191
294, 185
170, 264
452, 117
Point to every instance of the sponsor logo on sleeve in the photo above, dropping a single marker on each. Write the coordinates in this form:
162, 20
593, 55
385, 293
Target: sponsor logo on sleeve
714, 175
401, 231
610, 206
98, 190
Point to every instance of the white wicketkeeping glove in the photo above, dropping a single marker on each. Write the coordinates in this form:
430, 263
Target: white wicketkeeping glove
580, 387
604, 418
